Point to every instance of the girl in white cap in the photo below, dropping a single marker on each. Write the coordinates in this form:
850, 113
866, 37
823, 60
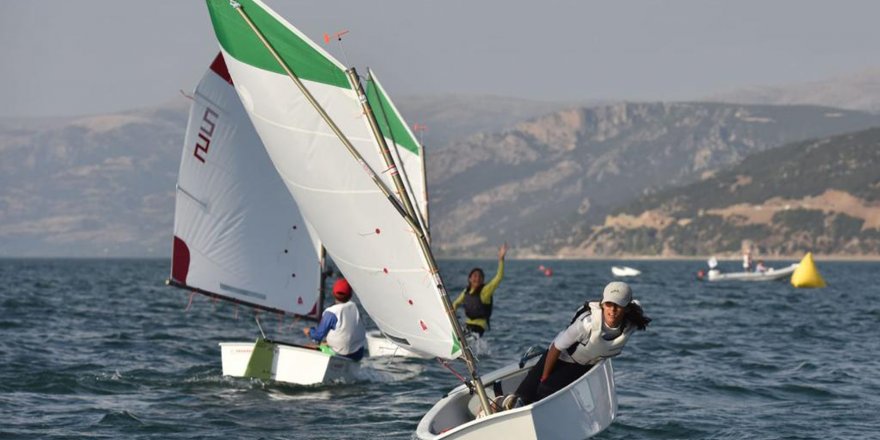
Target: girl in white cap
597, 331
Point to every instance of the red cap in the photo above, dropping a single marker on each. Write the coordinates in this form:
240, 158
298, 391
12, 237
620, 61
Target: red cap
341, 289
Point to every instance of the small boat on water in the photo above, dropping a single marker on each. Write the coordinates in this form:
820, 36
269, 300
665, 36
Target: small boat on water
582, 409
271, 262
768, 275
349, 161
624, 271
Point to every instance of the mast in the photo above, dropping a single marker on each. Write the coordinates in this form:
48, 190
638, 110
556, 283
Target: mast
381, 101
406, 210
425, 188
322, 259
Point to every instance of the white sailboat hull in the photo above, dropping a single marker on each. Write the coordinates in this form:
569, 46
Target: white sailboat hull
291, 364
580, 410
770, 275
379, 345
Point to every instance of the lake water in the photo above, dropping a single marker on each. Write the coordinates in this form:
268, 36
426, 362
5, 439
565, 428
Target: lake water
103, 349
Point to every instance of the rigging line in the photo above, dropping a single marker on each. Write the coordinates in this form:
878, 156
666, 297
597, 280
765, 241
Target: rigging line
342, 46
452, 370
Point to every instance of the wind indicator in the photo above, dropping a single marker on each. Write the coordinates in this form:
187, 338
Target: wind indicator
420, 130
338, 37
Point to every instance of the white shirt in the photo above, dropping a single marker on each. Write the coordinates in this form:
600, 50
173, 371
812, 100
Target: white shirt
579, 333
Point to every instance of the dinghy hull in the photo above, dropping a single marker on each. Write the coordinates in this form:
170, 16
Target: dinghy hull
291, 364
580, 410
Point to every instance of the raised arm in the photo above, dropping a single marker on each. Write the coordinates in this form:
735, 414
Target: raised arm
489, 288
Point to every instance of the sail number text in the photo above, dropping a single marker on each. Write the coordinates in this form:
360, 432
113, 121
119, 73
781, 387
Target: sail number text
206, 130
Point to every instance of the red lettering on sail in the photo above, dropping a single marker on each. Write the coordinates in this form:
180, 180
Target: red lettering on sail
206, 130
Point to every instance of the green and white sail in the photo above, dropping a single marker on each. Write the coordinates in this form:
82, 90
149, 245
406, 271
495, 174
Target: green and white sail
238, 234
365, 234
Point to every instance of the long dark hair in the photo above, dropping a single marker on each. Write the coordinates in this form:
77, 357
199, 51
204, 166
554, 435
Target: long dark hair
634, 315
479, 289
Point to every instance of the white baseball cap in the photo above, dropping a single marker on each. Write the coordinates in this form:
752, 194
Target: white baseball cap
617, 292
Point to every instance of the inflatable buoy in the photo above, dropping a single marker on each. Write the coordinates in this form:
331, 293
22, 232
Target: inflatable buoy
548, 272
541, 267
806, 274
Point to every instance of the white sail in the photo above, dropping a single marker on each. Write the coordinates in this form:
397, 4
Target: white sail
237, 231
365, 234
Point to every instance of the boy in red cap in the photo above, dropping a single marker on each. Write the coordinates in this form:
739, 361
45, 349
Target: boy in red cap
341, 325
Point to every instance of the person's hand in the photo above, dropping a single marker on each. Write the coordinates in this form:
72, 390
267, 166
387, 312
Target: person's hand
306, 331
502, 251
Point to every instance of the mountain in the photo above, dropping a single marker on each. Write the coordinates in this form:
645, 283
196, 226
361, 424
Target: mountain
91, 186
104, 185
819, 195
543, 184
450, 117
857, 91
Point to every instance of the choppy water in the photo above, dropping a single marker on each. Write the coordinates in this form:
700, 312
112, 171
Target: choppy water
102, 349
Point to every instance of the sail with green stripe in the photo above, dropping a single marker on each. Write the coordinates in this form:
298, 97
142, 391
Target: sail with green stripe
367, 237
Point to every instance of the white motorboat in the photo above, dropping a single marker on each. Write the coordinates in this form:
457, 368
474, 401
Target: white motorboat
768, 275
624, 271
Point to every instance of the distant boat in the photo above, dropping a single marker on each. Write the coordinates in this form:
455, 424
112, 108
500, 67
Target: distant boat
768, 275
624, 271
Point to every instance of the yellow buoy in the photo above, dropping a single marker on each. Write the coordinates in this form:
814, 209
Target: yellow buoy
806, 274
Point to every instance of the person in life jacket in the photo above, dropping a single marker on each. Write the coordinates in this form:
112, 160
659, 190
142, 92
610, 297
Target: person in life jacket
477, 297
341, 325
598, 330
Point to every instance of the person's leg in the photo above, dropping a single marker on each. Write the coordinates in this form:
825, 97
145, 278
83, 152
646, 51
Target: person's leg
528, 388
563, 374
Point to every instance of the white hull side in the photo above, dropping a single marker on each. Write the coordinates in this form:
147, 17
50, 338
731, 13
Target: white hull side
770, 275
580, 410
296, 365
379, 345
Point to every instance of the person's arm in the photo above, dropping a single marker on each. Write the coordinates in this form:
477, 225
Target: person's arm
328, 322
550, 362
489, 288
563, 341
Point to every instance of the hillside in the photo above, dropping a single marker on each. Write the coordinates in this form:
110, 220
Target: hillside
857, 91
104, 185
543, 184
819, 195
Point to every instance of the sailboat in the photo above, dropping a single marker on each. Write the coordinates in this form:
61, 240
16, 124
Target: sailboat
339, 161
239, 236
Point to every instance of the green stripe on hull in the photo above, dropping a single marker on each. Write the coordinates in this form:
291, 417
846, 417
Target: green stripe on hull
391, 126
241, 42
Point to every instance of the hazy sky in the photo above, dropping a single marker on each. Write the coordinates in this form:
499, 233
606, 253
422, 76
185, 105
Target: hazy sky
72, 57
